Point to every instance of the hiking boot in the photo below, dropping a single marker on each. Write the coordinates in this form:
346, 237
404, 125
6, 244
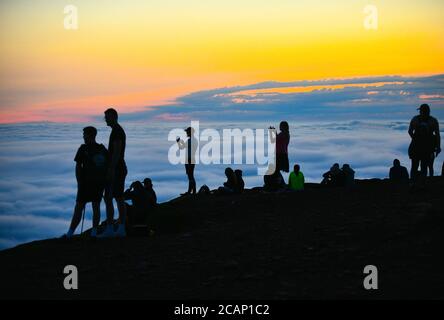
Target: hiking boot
67, 235
121, 232
108, 233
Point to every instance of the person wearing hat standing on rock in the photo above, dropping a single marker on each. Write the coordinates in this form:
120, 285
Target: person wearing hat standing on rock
190, 158
426, 141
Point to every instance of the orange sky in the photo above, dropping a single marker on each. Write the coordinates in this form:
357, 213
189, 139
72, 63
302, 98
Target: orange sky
132, 54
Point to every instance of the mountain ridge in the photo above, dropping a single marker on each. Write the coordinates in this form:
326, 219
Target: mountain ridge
308, 245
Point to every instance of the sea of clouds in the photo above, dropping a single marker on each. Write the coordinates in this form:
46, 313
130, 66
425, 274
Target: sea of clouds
38, 186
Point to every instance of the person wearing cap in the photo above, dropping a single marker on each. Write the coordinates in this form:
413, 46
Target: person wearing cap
190, 159
426, 141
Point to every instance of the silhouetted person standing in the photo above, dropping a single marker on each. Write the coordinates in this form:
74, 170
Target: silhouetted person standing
426, 141
282, 140
398, 173
190, 160
116, 175
91, 167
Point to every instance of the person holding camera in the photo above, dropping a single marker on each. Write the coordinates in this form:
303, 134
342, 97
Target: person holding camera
190, 158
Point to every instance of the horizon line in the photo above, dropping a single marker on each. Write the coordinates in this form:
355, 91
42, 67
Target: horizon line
272, 84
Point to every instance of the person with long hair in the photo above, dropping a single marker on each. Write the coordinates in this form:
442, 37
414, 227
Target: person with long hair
282, 140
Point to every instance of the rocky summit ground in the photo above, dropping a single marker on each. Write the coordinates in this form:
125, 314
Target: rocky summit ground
308, 245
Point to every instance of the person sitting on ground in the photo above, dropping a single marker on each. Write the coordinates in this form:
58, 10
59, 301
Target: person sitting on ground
274, 182
239, 180
327, 176
137, 212
296, 179
148, 185
334, 177
398, 173
91, 167
349, 175
230, 186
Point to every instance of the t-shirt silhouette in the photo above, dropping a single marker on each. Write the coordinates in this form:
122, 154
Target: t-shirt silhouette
424, 141
118, 134
93, 159
399, 173
296, 181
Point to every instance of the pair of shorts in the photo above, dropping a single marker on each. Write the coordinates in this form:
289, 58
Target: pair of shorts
116, 188
90, 191
421, 151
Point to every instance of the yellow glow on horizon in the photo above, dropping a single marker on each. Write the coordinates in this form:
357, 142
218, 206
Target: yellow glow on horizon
305, 89
151, 52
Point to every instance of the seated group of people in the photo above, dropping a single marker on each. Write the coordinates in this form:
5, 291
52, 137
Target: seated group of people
234, 184
143, 201
339, 177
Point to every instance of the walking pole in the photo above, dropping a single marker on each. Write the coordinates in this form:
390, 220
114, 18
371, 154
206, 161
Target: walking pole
83, 219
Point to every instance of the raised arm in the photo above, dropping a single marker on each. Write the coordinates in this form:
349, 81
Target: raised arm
272, 132
182, 144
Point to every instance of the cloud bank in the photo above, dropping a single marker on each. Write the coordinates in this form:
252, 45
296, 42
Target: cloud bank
376, 98
362, 122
